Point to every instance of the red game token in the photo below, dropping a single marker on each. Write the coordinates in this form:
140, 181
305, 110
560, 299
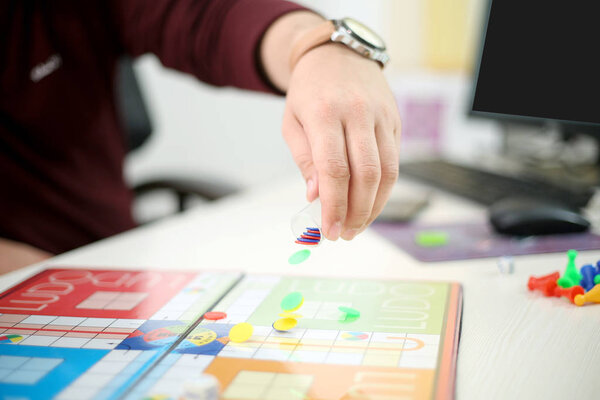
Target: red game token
215, 315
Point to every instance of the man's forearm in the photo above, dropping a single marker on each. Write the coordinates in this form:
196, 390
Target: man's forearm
278, 42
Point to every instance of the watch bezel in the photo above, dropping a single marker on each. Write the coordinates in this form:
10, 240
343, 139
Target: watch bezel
350, 31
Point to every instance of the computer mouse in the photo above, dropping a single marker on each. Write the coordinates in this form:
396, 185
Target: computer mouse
530, 217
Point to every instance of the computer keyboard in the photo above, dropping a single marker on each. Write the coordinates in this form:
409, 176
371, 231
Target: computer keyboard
488, 187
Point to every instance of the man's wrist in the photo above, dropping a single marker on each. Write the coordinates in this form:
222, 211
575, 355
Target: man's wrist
278, 41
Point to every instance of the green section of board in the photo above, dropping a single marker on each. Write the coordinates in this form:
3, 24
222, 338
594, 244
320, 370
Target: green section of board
385, 306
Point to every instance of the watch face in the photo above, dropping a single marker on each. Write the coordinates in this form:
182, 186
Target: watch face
364, 33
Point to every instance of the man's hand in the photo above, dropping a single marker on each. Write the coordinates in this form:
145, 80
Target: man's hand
15, 255
342, 126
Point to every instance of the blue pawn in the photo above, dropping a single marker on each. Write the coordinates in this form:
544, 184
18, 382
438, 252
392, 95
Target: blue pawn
589, 273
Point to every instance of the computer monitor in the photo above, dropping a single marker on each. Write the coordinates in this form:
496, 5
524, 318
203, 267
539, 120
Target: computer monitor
540, 64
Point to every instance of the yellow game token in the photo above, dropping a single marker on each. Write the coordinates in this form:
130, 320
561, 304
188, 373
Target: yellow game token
284, 324
290, 315
240, 332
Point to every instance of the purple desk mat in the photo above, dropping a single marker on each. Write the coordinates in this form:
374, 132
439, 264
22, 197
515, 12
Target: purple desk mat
477, 240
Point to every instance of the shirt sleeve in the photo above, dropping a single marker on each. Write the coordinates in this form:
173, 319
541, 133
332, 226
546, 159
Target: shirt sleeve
215, 40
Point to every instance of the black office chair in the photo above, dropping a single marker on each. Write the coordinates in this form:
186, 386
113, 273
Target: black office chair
138, 129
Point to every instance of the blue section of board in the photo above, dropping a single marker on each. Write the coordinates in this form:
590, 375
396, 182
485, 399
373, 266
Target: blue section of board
74, 363
210, 349
154, 335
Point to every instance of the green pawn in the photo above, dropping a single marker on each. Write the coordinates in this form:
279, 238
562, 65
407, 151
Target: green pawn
571, 277
597, 279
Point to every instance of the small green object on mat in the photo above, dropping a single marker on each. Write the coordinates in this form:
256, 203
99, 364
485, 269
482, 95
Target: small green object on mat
431, 238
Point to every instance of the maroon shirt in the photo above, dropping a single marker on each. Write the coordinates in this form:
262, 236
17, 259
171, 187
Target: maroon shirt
61, 146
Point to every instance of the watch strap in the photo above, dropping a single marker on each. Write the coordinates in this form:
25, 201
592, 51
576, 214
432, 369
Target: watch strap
314, 38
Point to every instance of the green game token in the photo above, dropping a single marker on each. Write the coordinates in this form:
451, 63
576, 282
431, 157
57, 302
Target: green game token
292, 301
350, 312
597, 279
431, 238
299, 257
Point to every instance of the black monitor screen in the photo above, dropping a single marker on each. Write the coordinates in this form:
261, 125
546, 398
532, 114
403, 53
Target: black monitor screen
541, 59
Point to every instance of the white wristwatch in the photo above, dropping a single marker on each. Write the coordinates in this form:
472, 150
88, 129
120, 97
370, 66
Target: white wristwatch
347, 31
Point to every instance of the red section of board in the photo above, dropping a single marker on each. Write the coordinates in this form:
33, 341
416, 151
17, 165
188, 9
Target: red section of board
94, 293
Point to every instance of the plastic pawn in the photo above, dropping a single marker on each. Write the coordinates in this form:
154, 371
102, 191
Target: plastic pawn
571, 277
589, 273
544, 284
593, 296
569, 293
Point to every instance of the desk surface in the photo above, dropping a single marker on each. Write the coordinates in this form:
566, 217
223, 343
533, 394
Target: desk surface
514, 344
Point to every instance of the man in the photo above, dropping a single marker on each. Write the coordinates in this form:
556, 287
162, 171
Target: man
62, 148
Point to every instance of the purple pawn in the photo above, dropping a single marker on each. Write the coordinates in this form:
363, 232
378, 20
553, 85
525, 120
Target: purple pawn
588, 272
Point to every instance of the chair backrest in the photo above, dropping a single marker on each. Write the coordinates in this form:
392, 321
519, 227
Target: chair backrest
131, 107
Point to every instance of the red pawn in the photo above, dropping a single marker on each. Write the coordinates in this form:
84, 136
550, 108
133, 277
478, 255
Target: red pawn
544, 284
569, 293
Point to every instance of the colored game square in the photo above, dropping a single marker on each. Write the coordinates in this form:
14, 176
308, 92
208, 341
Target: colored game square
308, 356
262, 330
93, 380
293, 380
178, 373
14, 318
37, 340
118, 330
320, 334
80, 334
77, 393
427, 339
52, 333
41, 364
427, 350
381, 360
97, 322
103, 295
13, 362
197, 361
107, 367
244, 392
295, 333
112, 336
24, 377
102, 344
287, 341
321, 349
4, 372
237, 353
92, 305
127, 323
277, 393
272, 354
69, 342
67, 321
344, 358
417, 362
19, 332
21, 325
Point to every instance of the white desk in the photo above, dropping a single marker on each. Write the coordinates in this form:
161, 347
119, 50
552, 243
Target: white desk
514, 344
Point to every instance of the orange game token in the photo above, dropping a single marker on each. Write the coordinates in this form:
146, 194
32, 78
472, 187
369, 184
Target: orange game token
215, 315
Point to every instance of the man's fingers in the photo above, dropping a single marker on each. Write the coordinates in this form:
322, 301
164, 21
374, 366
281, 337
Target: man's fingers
296, 139
387, 143
329, 154
365, 172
